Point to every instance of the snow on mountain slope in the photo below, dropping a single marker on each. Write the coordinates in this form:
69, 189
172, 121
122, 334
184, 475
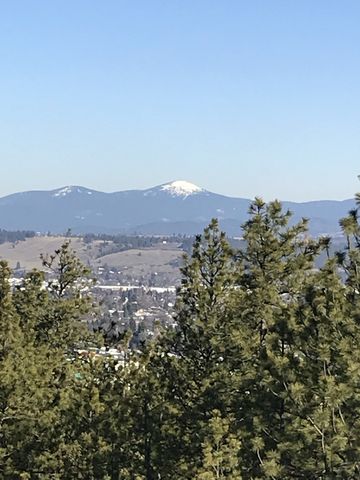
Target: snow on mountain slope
64, 191
177, 189
181, 188
171, 207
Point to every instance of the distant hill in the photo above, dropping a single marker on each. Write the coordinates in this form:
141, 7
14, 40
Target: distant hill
176, 207
130, 265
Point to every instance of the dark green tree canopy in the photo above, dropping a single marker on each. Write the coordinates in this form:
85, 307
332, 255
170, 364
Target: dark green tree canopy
259, 378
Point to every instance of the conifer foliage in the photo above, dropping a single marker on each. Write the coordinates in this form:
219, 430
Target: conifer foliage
259, 379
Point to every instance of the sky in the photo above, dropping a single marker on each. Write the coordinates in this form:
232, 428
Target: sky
240, 97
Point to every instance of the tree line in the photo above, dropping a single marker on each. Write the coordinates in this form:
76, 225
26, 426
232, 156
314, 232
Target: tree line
128, 241
15, 236
259, 380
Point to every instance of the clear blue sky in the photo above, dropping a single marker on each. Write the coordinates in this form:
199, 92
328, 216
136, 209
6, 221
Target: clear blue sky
240, 97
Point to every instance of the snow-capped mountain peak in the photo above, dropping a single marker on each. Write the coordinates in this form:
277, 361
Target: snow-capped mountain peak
63, 192
181, 188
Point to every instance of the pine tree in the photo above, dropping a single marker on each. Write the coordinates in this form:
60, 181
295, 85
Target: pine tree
39, 328
193, 357
325, 394
10, 351
277, 262
9, 322
68, 289
259, 379
221, 447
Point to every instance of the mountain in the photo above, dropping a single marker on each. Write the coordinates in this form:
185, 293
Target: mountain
175, 207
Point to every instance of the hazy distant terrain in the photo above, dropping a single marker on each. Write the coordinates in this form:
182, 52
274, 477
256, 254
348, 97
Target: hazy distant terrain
134, 263
141, 259
175, 208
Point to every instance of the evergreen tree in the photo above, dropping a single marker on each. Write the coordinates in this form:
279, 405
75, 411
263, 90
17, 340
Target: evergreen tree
193, 357
259, 379
40, 327
325, 394
277, 262
220, 458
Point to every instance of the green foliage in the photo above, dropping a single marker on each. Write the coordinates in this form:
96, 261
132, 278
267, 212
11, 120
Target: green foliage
259, 379
192, 362
220, 451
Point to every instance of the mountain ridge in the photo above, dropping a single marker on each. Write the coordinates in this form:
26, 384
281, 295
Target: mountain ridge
174, 207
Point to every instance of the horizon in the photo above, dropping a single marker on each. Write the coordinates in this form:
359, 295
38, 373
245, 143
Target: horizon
202, 187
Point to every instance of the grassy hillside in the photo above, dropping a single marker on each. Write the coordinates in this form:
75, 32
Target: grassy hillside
162, 259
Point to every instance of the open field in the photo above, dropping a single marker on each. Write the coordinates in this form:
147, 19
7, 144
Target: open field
162, 259
28, 252
140, 261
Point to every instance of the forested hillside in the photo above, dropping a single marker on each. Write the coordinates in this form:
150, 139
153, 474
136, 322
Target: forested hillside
260, 379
